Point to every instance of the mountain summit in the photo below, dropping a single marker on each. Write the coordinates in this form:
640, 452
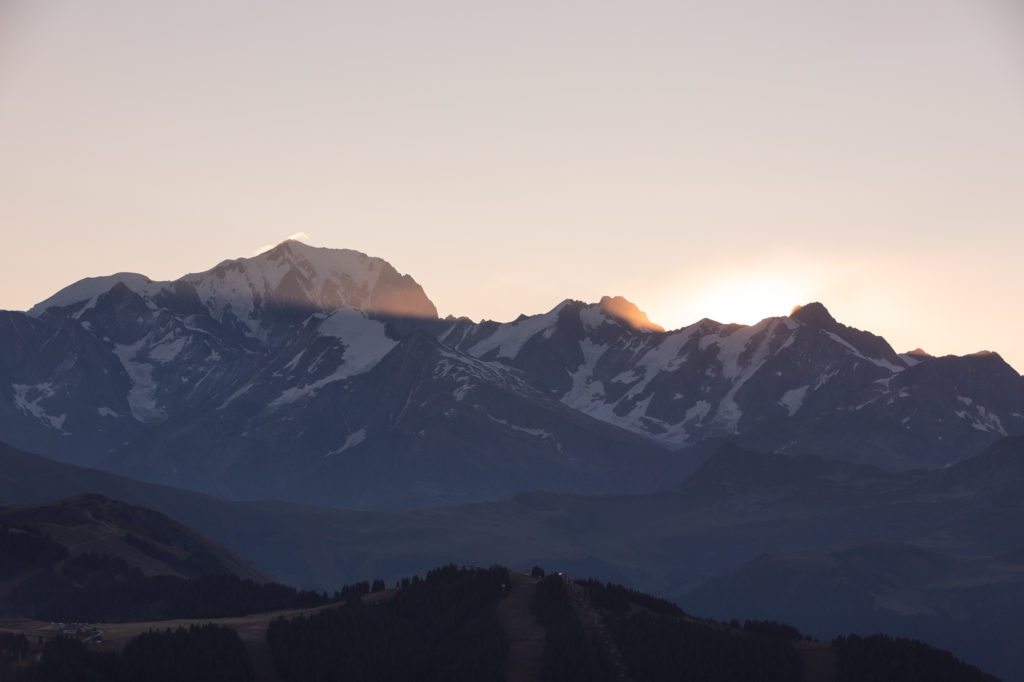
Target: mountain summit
814, 314
299, 275
290, 275
628, 313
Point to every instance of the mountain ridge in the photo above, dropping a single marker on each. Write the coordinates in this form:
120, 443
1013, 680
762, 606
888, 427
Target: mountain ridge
292, 274
251, 380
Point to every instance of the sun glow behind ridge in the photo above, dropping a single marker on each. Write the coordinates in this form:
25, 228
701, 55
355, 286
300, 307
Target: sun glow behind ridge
747, 298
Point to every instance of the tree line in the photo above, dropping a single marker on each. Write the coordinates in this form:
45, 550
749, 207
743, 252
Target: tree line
202, 653
23, 548
617, 598
442, 627
569, 656
878, 658
91, 587
658, 641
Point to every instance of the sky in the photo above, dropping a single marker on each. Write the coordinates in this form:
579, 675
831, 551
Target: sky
725, 159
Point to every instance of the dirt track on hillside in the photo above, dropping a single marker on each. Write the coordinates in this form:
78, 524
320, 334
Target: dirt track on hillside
525, 635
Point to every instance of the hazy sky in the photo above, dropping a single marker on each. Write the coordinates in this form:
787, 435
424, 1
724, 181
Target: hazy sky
726, 159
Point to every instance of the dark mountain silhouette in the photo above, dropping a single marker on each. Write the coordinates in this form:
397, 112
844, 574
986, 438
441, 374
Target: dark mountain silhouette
143, 538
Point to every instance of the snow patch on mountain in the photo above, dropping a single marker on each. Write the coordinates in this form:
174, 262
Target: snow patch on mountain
639, 415
698, 412
27, 399
234, 396
587, 394
508, 339
628, 377
167, 349
141, 396
89, 290
353, 440
296, 393
731, 349
364, 342
446, 336
539, 433
793, 399
293, 363
987, 421
465, 370
831, 374
733, 344
880, 362
666, 356
885, 364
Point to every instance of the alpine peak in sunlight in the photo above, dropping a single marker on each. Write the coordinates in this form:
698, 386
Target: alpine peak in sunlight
289, 276
813, 313
626, 312
296, 274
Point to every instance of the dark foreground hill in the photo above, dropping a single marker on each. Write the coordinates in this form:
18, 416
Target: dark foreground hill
94, 524
452, 626
89, 558
206, 653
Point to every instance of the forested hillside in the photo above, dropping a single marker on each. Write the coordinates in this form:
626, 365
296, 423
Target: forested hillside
448, 626
206, 653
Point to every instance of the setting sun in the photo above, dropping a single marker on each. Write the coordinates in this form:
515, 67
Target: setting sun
749, 299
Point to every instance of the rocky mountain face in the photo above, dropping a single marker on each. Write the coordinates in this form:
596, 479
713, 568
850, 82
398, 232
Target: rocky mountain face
304, 374
802, 383
324, 376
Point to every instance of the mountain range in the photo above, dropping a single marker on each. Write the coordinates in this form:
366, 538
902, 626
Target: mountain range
325, 376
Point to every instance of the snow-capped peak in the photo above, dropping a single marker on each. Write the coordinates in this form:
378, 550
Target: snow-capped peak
815, 315
85, 292
295, 274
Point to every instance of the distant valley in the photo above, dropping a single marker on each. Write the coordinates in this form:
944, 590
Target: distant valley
833, 547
